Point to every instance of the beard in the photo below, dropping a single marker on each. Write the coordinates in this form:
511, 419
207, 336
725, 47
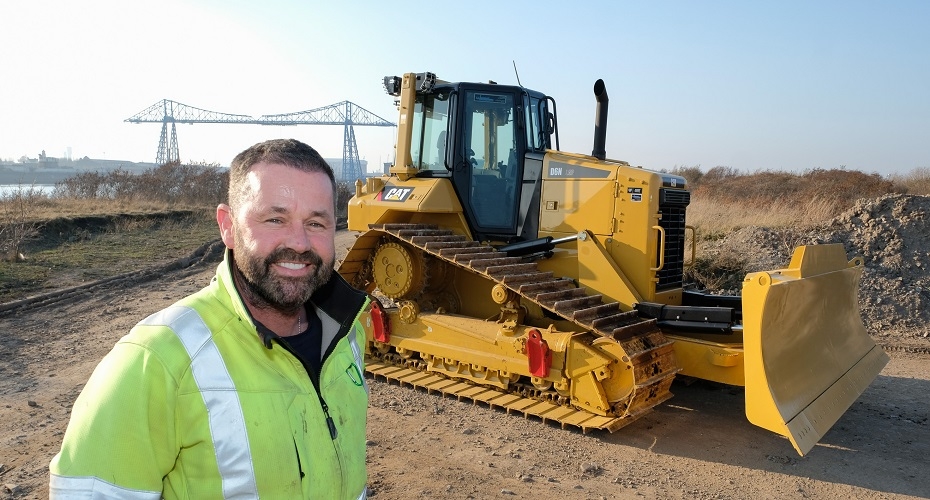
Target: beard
265, 289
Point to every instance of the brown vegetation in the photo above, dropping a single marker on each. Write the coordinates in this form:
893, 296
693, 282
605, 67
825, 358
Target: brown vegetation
725, 199
171, 184
170, 187
16, 223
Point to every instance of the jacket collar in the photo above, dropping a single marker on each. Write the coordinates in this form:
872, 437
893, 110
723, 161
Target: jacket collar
336, 298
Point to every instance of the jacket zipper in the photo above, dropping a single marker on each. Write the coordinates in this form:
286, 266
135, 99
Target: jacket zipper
315, 377
315, 382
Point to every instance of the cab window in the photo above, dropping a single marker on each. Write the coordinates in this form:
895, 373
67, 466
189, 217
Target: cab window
534, 107
430, 122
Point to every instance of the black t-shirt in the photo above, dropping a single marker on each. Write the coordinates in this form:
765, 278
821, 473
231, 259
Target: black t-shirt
308, 343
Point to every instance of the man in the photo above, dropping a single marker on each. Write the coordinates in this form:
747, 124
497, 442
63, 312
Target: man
250, 387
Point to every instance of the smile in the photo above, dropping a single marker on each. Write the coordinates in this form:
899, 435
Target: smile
292, 265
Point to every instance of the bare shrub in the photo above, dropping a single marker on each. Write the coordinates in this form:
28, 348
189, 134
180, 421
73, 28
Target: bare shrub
119, 184
916, 181
721, 173
85, 185
692, 175
169, 182
724, 184
16, 223
845, 186
208, 182
172, 183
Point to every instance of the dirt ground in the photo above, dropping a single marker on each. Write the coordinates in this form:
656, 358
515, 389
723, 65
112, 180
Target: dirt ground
697, 445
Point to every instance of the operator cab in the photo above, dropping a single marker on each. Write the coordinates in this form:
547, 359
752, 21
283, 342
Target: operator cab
490, 141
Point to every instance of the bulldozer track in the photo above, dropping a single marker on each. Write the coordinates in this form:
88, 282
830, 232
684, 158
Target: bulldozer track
648, 351
511, 403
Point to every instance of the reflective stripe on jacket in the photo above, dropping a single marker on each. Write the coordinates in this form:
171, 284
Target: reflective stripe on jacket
191, 404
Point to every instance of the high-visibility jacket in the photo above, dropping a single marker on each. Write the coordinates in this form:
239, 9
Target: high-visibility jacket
193, 404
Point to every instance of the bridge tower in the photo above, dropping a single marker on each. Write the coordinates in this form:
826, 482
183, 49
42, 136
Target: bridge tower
167, 147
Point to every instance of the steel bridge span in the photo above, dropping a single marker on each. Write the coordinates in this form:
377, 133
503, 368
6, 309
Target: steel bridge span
344, 113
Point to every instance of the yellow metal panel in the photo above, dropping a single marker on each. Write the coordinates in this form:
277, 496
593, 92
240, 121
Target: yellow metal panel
709, 361
577, 194
611, 200
599, 272
813, 422
634, 243
416, 200
577, 201
808, 356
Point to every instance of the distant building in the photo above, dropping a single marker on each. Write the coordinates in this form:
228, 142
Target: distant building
46, 162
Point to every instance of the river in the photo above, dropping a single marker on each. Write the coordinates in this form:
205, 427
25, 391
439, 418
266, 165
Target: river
9, 189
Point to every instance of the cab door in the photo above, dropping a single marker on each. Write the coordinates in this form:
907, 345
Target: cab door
487, 167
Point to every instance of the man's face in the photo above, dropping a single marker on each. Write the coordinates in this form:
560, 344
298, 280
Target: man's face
282, 234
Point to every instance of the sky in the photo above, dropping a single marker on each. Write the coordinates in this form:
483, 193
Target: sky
787, 85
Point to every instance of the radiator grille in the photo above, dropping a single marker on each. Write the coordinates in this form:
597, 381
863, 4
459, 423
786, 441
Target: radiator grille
672, 205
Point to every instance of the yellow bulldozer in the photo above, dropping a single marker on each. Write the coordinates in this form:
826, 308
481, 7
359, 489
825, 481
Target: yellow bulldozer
550, 284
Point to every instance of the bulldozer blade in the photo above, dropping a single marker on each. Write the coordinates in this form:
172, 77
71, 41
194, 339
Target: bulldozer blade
808, 356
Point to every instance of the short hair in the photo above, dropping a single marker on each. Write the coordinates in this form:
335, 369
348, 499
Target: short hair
290, 152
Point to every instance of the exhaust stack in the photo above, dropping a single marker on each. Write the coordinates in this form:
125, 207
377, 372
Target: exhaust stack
600, 120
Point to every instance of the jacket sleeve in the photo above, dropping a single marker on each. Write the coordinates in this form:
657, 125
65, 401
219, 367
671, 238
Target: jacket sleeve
122, 438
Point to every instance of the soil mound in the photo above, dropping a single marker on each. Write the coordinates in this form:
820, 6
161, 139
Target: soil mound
892, 234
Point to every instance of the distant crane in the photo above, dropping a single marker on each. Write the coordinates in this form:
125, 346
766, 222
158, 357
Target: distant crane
344, 113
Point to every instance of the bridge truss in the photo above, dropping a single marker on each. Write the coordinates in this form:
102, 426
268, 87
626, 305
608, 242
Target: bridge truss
344, 113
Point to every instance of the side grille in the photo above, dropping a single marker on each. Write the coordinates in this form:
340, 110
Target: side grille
672, 205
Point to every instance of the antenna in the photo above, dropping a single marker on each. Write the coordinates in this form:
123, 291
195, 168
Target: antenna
516, 72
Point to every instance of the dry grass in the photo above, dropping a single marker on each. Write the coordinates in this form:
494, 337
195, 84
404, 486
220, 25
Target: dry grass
725, 199
714, 217
45, 207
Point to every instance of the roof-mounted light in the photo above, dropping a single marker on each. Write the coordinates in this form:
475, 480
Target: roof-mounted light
392, 85
426, 82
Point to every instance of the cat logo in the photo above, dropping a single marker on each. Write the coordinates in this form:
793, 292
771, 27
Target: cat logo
395, 193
